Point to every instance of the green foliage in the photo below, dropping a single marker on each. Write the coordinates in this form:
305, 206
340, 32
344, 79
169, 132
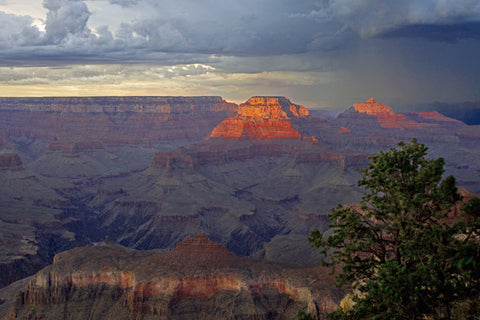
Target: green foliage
400, 254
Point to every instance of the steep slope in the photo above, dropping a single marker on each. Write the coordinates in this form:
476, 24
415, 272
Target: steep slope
261, 118
30, 124
407, 121
199, 279
372, 126
32, 220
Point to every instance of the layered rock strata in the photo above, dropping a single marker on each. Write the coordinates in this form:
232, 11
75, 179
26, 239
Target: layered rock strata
389, 119
199, 279
262, 118
111, 120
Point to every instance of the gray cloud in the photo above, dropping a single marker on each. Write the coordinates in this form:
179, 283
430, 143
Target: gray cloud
16, 31
232, 28
446, 33
343, 48
66, 19
375, 17
125, 3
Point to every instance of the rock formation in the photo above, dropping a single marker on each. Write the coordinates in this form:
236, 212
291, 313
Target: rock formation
372, 107
199, 279
261, 118
389, 119
110, 120
126, 167
10, 161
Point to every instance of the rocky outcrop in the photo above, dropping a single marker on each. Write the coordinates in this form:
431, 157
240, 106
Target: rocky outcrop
385, 115
344, 130
10, 161
372, 107
262, 118
199, 279
389, 119
271, 107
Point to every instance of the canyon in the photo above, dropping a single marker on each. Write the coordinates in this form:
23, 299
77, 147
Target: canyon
146, 173
199, 279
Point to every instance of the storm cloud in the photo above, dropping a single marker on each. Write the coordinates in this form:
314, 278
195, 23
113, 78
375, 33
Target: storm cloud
249, 28
337, 41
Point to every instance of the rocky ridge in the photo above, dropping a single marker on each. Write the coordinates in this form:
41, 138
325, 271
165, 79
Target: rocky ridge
155, 122
197, 280
389, 119
262, 118
128, 104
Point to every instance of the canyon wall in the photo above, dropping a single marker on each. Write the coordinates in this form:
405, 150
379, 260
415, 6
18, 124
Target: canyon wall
111, 120
199, 279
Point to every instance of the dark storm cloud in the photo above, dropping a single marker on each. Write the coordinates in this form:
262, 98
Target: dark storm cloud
188, 27
186, 31
374, 17
446, 33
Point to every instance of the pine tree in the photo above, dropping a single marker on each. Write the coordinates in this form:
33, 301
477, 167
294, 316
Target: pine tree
400, 254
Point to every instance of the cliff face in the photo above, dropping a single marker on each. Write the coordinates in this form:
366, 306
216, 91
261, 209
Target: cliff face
372, 107
112, 120
200, 279
389, 119
218, 153
262, 118
155, 105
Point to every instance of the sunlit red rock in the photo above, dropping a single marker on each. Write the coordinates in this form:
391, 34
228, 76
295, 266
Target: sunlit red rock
345, 130
199, 279
398, 121
372, 107
262, 118
386, 116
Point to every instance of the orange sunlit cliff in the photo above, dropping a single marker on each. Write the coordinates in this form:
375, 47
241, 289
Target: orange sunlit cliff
390, 119
262, 118
386, 116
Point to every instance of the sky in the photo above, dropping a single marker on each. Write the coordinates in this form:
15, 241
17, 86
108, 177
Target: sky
326, 53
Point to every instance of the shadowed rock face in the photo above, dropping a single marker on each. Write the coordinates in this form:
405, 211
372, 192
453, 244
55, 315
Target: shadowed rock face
262, 118
199, 279
10, 161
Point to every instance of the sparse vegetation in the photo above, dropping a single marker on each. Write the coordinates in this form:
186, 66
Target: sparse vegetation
404, 253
